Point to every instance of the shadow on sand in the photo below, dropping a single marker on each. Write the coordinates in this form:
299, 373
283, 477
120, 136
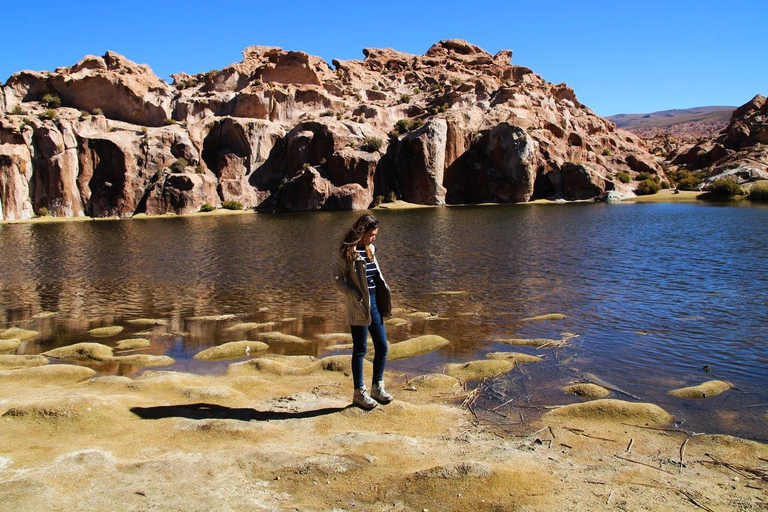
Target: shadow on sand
211, 411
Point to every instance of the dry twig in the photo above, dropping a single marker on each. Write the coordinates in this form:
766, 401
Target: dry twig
693, 500
629, 446
642, 464
682, 453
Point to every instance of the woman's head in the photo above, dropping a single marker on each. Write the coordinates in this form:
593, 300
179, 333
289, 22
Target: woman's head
362, 233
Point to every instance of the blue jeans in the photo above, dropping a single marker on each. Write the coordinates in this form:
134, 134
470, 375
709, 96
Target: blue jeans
360, 346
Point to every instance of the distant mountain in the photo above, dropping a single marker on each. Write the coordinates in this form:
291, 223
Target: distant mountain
688, 124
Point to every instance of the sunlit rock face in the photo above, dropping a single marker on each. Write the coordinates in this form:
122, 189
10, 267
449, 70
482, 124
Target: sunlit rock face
284, 130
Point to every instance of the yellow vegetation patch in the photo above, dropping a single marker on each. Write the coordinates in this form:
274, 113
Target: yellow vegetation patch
133, 343
517, 357
478, 370
210, 318
247, 326
44, 314
52, 373
103, 353
614, 410
535, 342
392, 322
106, 332
231, 350
336, 336
279, 337
148, 321
9, 362
416, 346
420, 315
62, 409
550, 316
334, 348
435, 381
10, 344
81, 351
143, 360
19, 334
704, 390
587, 390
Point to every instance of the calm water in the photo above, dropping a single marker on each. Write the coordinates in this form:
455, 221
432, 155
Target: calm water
654, 292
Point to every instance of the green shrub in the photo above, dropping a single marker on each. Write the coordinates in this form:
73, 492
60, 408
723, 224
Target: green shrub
623, 177
371, 144
647, 187
144, 131
377, 201
97, 112
646, 176
48, 114
392, 197
606, 152
170, 121
405, 98
199, 169
43, 212
328, 113
207, 207
179, 165
18, 111
685, 179
52, 101
759, 191
232, 205
724, 188
665, 184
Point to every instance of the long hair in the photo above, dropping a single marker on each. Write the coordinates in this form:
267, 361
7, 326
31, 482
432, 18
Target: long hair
348, 246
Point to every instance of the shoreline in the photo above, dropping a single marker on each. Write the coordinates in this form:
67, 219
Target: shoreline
663, 196
277, 433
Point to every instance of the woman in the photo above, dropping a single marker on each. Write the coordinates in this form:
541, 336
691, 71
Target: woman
368, 300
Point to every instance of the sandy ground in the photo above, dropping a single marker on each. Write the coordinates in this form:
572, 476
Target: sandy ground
278, 433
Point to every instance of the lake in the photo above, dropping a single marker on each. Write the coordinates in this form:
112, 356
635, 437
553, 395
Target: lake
654, 292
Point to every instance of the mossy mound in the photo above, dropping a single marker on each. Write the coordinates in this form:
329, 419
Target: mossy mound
435, 382
248, 326
81, 351
535, 342
479, 370
615, 411
210, 318
416, 346
336, 364
420, 315
103, 354
268, 366
19, 334
62, 409
10, 344
231, 350
9, 362
456, 471
392, 322
279, 337
517, 357
704, 390
44, 314
106, 332
587, 390
148, 321
47, 374
334, 348
336, 336
133, 343
540, 318
146, 360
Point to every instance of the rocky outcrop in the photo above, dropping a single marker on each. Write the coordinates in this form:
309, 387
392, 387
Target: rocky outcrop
283, 130
739, 152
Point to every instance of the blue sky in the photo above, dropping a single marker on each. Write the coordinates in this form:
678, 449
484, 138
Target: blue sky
620, 57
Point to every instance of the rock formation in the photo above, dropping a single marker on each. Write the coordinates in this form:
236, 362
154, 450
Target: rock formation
284, 130
739, 152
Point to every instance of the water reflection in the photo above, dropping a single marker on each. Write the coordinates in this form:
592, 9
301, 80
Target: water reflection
653, 291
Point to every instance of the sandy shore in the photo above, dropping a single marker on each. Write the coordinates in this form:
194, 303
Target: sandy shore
277, 433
